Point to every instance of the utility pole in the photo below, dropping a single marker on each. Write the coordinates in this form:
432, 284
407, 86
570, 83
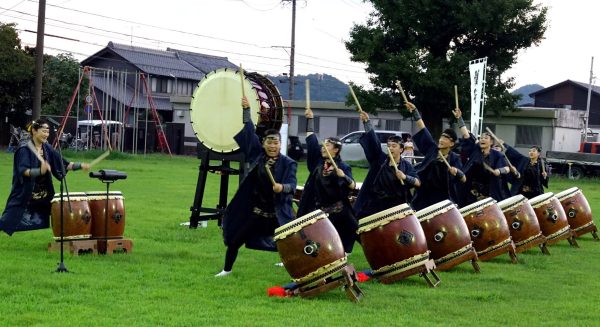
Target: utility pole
589, 97
292, 50
39, 62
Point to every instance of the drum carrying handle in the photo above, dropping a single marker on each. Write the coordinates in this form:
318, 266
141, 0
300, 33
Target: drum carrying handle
572, 212
552, 215
311, 248
516, 225
439, 236
476, 232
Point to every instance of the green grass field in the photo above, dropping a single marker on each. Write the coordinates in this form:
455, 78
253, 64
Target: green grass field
168, 280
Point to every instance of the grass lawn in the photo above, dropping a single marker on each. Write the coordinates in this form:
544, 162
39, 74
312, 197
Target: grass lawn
168, 280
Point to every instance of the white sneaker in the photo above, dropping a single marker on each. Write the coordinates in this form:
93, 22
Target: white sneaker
223, 273
279, 264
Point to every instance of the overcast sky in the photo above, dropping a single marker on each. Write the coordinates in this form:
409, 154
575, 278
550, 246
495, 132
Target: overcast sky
256, 33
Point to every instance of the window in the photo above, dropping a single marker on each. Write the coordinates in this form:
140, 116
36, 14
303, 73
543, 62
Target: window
393, 124
346, 125
302, 124
528, 136
160, 85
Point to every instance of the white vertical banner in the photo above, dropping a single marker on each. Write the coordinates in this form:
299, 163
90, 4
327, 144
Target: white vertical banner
477, 68
284, 138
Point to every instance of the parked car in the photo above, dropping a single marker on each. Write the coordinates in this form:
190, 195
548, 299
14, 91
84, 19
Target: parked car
352, 151
295, 150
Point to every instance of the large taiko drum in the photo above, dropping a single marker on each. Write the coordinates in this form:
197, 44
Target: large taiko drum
578, 211
522, 222
75, 215
551, 216
488, 228
215, 109
447, 235
351, 196
310, 248
393, 241
115, 225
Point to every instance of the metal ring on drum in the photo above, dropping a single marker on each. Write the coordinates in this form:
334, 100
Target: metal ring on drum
216, 113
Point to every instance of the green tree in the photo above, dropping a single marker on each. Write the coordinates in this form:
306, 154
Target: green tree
427, 45
61, 74
16, 77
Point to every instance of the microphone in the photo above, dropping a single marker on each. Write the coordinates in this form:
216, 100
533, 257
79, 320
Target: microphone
108, 175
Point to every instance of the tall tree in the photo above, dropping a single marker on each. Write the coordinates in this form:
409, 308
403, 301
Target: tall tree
427, 45
61, 74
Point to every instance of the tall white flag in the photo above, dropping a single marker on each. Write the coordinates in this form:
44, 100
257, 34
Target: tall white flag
477, 69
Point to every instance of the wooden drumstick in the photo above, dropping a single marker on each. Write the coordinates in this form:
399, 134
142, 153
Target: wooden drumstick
456, 95
307, 93
401, 91
270, 175
331, 158
34, 150
100, 158
242, 80
501, 145
444, 159
394, 163
359, 109
488, 168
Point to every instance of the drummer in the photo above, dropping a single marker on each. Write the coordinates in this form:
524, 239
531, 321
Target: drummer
260, 205
484, 167
29, 203
328, 188
532, 177
440, 182
386, 185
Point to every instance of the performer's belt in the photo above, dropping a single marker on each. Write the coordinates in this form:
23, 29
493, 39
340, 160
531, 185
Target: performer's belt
334, 208
262, 213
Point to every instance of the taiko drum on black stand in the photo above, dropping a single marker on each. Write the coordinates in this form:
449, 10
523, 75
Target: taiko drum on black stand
552, 218
578, 211
523, 224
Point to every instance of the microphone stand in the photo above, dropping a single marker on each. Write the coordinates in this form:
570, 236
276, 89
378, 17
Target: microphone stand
108, 182
63, 186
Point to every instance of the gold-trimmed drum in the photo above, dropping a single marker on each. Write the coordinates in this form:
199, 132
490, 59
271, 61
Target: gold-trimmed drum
310, 249
578, 211
447, 235
488, 229
522, 222
115, 225
76, 216
551, 217
393, 242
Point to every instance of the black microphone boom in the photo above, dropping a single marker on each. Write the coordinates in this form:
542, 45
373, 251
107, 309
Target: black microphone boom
108, 175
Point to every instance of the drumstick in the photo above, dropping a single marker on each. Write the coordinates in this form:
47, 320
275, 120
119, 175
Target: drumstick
359, 109
401, 91
393, 163
100, 158
270, 175
456, 95
330, 158
34, 150
307, 93
242, 80
488, 168
444, 159
501, 145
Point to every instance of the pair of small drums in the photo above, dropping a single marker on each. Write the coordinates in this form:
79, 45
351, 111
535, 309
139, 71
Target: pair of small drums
84, 214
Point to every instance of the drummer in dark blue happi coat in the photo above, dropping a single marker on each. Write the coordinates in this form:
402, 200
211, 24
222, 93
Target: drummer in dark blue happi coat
385, 186
259, 206
529, 176
327, 188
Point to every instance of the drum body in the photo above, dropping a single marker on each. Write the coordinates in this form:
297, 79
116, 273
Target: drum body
115, 225
215, 109
522, 222
310, 248
488, 228
76, 216
393, 241
578, 211
551, 217
447, 235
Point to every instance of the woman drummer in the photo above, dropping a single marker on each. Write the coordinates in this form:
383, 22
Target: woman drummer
531, 171
329, 184
28, 205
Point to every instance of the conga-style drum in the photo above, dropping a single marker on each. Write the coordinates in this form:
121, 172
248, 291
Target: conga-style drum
447, 235
394, 243
488, 229
115, 225
522, 222
215, 107
310, 249
552, 218
578, 211
76, 216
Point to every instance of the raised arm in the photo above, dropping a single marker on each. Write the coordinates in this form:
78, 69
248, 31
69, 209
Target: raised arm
461, 123
416, 115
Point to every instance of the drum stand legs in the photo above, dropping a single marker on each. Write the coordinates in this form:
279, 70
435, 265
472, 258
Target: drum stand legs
423, 270
347, 280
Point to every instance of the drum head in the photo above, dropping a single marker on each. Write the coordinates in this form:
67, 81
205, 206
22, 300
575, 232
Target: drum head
541, 199
477, 206
216, 110
567, 193
512, 201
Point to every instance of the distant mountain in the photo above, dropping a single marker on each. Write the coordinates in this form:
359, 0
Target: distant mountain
525, 91
323, 87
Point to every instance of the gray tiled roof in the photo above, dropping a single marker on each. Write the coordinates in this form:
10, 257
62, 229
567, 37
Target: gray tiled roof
141, 100
203, 62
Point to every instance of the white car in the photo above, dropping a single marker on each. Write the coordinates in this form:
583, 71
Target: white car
352, 151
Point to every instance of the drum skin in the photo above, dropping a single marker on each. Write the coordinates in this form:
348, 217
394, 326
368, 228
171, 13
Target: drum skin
116, 214
444, 228
77, 222
392, 240
308, 243
576, 207
216, 113
521, 218
550, 213
486, 223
